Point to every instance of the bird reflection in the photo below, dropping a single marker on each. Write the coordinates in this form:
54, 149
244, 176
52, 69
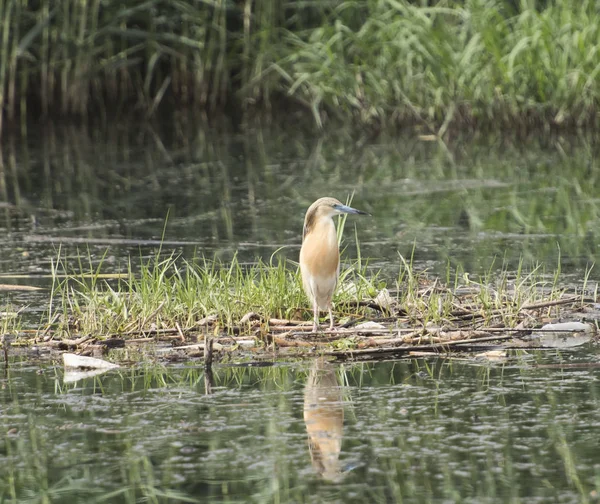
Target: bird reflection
324, 418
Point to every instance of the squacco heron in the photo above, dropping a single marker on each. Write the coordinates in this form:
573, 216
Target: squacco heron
320, 256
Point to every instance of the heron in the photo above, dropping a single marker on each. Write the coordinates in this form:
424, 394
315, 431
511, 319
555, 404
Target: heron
320, 255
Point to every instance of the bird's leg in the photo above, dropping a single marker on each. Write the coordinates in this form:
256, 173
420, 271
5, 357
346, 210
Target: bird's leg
316, 317
330, 319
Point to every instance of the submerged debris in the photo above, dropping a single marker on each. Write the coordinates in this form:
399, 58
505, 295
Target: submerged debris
565, 334
78, 367
466, 330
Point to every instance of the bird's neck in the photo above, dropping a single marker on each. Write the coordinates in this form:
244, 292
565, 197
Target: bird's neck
324, 229
315, 219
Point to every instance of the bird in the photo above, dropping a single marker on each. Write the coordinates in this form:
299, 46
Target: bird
320, 256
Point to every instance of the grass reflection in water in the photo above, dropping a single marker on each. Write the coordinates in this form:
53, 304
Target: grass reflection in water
411, 430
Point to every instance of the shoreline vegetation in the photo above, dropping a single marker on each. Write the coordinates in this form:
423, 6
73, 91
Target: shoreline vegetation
175, 310
437, 65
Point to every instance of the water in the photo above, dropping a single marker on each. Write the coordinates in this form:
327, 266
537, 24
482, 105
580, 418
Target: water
410, 431
475, 202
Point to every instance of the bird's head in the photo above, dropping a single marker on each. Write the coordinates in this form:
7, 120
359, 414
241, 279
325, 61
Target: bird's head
325, 208
328, 207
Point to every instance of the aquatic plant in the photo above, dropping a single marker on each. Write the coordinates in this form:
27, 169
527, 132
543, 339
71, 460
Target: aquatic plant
468, 63
168, 292
480, 61
175, 299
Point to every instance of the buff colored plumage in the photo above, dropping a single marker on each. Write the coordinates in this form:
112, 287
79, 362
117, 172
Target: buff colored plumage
324, 418
320, 256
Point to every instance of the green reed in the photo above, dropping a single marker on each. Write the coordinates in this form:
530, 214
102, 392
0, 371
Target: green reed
474, 61
454, 63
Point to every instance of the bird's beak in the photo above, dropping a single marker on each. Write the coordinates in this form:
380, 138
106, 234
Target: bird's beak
349, 210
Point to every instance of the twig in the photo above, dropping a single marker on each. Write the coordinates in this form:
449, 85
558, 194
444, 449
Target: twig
282, 342
208, 352
180, 332
152, 315
66, 343
208, 380
5, 345
534, 306
56, 316
545, 304
414, 348
367, 304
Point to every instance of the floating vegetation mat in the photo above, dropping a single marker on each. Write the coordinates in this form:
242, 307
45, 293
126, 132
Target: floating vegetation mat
240, 314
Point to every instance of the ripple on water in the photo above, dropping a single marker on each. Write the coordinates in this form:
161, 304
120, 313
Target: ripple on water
459, 432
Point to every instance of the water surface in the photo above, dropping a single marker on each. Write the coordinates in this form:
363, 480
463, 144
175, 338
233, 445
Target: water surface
113, 193
410, 431
474, 201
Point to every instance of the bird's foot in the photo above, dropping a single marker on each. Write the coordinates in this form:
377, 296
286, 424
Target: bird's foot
331, 320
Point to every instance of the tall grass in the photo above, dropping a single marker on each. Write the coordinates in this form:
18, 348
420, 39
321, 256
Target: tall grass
480, 60
168, 292
453, 62
71, 57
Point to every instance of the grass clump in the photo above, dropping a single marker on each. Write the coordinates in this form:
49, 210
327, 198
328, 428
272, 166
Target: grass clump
502, 299
253, 310
168, 293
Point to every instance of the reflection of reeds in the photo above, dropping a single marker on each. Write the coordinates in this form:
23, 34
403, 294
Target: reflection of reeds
225, 188
146, 434
526, 180
377, 61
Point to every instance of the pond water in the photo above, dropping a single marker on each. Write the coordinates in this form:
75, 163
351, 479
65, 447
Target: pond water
478, 202
114, 192
440, 430
412, 431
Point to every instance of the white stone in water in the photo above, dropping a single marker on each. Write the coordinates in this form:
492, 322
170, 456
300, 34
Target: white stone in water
369, 325
80, 362
246, 342
492, 355
567, 327
384, 299
565, 334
